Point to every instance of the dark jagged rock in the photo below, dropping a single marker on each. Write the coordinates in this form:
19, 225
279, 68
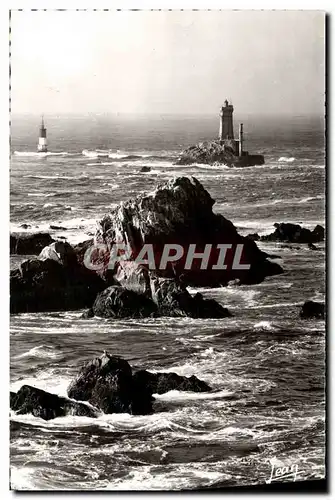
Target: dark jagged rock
29, 244
118, 302
294, 233
253, 236
173, 299
311, 309
58, 228
145, 169
107, 383
87, 314
45, 405
81, 248
47, 285
159, 383
180, 212
213, 152
61, 252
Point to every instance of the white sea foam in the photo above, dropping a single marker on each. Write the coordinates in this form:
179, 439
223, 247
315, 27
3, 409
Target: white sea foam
42, 351
191, 396
40, 155
264, 325
96, 154
286, 159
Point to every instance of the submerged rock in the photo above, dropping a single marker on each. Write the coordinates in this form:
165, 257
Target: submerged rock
145, 169
29, 244
311, 309
58, 228
294, 233
45, 405
180, 212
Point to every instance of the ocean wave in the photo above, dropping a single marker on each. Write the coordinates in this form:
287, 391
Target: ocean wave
67, 177
265, 326
40, 155
42, 351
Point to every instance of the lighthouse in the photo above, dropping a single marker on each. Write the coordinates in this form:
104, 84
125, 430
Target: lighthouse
42, 140
226, 122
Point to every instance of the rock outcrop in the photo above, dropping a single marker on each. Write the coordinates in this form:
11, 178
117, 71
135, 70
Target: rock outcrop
159, 383
118, 302
107, 382
45, 405
53, 284
213, 152
29, 243
311, 309
108, 385
168, 298
180, 212
294, 233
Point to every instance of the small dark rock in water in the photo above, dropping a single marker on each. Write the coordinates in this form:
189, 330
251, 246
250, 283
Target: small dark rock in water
312, 247
60, 228
118, 302
311, 309
145, 169
159, 383
25, 226
45, 405
29, 244
87, 314
253, 236
294, 233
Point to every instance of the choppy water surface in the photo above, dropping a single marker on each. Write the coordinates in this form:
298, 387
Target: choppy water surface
266, 366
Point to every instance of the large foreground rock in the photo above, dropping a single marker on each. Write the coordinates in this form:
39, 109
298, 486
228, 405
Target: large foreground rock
53, 284
311, 309
45, 405
180, 212
212, 152
29, 244
107, 382
294, 233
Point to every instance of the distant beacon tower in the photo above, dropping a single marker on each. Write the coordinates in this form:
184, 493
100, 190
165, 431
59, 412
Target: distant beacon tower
226, 122
42, 140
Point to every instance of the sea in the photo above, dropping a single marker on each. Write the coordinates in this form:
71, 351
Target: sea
266, 366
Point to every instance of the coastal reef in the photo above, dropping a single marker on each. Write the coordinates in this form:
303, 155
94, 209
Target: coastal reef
105, 384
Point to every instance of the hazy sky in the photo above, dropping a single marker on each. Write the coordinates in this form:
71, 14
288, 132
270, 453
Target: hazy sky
167, 62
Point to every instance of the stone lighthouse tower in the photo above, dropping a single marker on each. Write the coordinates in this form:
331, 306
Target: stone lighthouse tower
42, 140
226, 122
